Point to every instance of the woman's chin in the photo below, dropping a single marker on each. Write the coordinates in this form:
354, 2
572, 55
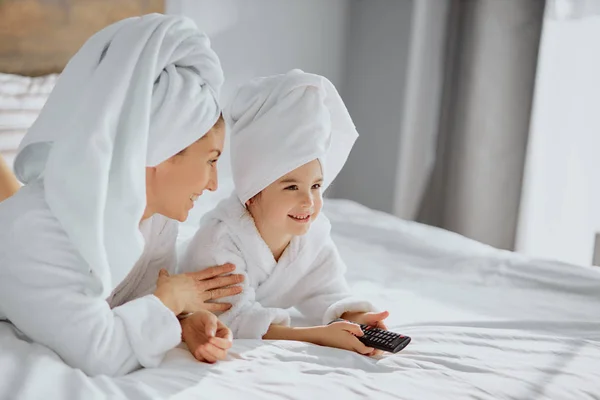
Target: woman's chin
181, 216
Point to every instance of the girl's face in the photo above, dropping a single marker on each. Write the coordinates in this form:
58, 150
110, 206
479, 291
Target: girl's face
174, 185
289, 205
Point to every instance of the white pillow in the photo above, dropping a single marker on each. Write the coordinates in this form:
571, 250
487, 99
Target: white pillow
21, 100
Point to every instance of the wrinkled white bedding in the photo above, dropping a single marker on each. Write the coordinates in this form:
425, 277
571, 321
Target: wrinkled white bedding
486, 324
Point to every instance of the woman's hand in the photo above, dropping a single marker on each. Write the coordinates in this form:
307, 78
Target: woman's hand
191, 291
341, 335
207, 338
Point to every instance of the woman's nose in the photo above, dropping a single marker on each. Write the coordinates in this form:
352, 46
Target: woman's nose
213, 181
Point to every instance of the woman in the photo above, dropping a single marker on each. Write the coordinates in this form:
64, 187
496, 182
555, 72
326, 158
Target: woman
127, 141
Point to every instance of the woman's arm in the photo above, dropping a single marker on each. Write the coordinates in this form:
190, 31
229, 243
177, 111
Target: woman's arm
8, 182
47, 291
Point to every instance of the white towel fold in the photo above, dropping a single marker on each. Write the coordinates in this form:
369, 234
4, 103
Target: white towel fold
282, 122
137, 92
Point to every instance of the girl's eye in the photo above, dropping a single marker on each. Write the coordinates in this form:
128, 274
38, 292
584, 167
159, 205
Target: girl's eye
316, 186
292, 187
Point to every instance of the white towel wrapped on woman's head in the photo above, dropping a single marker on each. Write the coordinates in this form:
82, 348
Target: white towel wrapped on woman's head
137, 92
282, 122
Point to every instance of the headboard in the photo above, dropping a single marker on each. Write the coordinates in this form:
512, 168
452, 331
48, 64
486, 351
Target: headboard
37, 37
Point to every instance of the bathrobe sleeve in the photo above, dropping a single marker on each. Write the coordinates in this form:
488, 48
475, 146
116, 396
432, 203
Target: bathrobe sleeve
46, 292
327, 295
247, 318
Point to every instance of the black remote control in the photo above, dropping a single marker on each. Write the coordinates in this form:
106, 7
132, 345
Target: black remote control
381, 339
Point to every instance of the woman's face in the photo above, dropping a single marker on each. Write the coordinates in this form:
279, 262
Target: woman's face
174, 185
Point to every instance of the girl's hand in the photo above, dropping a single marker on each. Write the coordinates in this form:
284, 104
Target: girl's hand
190, 292
374, 320
341, 335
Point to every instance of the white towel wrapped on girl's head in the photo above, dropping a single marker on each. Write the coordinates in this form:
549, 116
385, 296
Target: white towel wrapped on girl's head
282, 122
280, 126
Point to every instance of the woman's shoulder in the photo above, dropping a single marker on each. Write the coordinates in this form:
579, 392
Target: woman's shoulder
32, 238
27, 215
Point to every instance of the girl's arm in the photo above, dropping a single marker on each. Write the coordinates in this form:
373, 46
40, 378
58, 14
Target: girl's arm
329, 296
280, 332
341, 335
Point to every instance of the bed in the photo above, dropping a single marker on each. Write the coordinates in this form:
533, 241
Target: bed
485, 323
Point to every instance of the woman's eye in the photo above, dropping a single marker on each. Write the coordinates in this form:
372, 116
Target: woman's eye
293, 187
317, 186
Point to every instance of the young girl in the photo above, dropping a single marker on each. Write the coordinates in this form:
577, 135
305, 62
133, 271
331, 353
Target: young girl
290, 136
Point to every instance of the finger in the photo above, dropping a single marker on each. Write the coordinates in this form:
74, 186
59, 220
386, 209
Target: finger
373, 318
222, 281
381, 325
210, 327
163, 273
225, 292
197, 353
212, 271
352, 328
204, 354
224, 332
216, 352
217, 306
382, 315
359, 347
222, 343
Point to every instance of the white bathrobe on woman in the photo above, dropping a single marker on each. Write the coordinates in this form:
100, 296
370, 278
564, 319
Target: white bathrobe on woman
278, 124
71, 242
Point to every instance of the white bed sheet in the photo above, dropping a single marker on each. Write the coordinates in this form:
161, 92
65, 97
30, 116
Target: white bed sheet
486, 324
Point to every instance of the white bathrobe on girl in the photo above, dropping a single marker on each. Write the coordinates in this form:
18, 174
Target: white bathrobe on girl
72, 251
278, 124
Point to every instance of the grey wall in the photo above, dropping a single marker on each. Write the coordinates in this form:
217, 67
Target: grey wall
264, 37
373, 89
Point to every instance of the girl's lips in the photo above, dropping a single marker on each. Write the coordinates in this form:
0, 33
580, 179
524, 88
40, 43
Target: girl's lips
300, 218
